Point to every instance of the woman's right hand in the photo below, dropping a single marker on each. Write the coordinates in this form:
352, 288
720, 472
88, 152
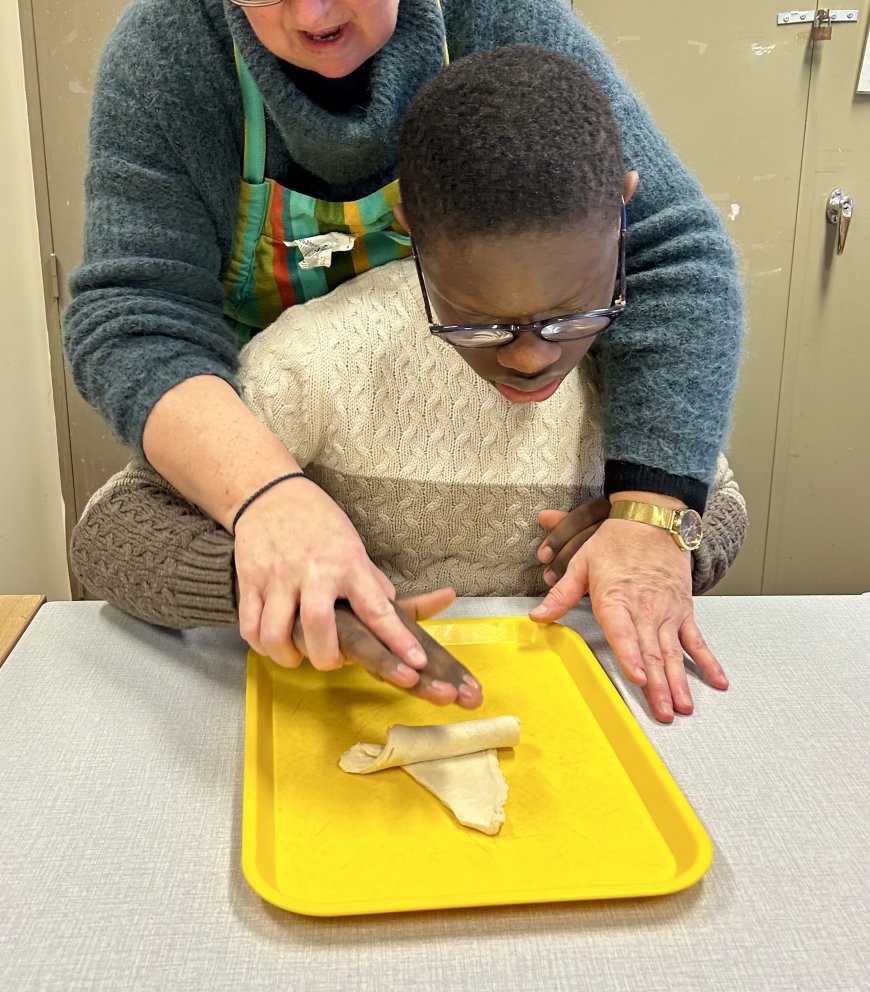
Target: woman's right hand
297, 554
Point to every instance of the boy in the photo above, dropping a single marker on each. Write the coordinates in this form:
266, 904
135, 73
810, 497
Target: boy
443, 402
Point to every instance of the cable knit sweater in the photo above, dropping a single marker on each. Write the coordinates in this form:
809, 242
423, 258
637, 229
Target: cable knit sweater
441, 475
162, 184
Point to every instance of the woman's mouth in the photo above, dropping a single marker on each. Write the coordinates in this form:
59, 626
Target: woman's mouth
330, 34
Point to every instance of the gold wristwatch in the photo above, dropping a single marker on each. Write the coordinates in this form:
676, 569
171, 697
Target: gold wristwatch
684, 525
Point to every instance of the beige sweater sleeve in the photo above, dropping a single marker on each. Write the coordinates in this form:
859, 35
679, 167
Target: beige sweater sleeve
142, 547
725, 523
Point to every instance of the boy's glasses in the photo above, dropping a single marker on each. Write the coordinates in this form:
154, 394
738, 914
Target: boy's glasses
256, 3
568, 327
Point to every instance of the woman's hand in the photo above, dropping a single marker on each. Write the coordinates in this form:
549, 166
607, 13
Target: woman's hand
297, 553
444, 680
640, 586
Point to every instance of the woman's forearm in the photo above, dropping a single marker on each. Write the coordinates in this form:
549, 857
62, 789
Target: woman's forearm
202, 438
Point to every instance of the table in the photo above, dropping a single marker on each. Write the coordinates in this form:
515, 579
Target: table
16, 612
120, 809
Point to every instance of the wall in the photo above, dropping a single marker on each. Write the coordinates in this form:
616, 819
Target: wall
32, 541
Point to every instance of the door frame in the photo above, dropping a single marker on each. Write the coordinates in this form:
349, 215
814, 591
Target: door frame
50, 289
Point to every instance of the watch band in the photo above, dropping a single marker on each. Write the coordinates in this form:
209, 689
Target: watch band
685, 526
644, 513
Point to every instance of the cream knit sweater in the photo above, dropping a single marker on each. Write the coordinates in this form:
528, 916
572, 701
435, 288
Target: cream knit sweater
441, 475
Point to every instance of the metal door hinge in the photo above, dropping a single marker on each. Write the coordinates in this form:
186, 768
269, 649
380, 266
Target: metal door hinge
809, 16
54, 276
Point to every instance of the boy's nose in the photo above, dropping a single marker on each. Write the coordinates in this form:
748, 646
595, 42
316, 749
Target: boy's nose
528, 354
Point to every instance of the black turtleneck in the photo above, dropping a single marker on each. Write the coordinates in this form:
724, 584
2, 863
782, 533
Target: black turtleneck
337, 96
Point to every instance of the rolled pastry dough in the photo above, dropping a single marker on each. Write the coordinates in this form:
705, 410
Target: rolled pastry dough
457, 762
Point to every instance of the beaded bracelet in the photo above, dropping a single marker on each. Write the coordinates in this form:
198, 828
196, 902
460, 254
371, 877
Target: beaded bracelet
260, 491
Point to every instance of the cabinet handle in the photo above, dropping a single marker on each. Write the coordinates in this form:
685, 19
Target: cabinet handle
839, 213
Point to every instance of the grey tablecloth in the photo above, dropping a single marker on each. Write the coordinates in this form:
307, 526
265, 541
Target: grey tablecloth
120, 797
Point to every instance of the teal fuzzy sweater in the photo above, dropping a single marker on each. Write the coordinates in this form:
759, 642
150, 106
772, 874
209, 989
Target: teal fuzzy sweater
165, 161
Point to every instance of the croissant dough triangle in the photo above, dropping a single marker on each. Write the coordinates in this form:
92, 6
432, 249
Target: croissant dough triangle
457, 762
471, 786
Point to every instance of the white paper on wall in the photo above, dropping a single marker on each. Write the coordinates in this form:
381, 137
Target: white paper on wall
864, 74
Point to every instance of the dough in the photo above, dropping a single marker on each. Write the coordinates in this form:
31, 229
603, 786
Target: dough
457, 762
471, 786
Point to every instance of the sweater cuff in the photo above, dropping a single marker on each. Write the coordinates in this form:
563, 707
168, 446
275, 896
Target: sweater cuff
205, 594
725, 524
146, 550
627, 476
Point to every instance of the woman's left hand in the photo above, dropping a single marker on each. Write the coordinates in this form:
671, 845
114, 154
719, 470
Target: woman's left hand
640, 588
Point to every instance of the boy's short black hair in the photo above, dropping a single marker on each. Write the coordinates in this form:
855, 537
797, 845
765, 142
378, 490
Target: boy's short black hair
517, 138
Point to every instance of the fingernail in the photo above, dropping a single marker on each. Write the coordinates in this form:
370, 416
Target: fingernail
440, 686
664, 710
467, 692
417, 657
406, 671
538, 612
545, 554
471, 682
550, 577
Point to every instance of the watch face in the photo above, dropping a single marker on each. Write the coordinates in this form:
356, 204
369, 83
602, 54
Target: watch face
690, 529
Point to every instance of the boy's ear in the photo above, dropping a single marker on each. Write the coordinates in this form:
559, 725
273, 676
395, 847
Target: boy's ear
399, 214
629, 187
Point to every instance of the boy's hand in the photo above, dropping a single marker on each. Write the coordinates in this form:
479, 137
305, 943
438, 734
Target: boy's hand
568, 532
442, 681
640, 586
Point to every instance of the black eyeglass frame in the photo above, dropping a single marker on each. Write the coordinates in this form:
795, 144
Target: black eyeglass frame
539, 327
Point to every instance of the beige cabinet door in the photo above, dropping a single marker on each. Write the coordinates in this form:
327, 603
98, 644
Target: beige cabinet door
769, 122
819, 527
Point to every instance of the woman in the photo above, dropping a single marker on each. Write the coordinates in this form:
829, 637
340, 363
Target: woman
221, 131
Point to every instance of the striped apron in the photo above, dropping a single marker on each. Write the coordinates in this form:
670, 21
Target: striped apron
264, 276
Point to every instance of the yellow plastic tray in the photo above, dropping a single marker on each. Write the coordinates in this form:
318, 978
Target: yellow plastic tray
592, 811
